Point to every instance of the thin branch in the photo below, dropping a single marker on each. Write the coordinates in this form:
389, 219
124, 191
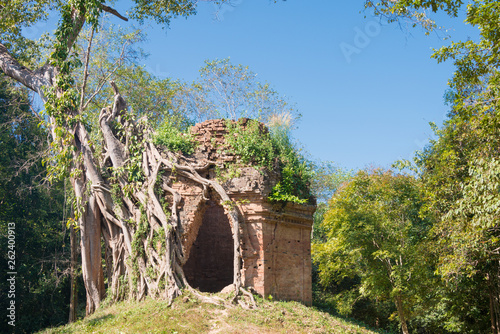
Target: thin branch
118, 63
86, 71
113, 11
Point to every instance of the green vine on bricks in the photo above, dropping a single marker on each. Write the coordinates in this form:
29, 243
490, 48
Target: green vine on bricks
254, 144
230, 171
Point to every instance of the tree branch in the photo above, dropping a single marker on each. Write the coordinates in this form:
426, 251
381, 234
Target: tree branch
113, 11
118, 63
86, 71
34, 80
78, 19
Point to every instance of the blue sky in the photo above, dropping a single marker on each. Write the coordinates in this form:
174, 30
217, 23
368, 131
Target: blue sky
366, 90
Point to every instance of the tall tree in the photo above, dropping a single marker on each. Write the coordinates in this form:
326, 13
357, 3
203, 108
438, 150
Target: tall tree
374, 232
225, 90
459, 168
34, 212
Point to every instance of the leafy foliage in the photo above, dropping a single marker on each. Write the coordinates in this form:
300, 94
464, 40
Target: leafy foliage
170, 136
253, 143
414, 12
459, 169
162, 11
296, 171
374, 232
16, 16
41, 237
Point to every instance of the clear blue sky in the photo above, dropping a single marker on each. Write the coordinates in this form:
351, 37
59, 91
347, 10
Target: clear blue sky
365, 100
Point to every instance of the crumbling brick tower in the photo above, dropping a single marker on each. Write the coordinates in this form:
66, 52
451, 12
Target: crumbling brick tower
275, 238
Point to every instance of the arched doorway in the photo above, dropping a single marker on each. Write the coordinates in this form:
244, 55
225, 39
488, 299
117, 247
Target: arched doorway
209, 267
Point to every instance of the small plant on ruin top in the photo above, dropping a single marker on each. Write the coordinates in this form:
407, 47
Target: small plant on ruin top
174, 139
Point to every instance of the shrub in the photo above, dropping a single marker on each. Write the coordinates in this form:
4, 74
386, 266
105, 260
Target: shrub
174, 139
251, 143
255, 144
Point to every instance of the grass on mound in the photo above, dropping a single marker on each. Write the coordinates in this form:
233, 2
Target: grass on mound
187, 315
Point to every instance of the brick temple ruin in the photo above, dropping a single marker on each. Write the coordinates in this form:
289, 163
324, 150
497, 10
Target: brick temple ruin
275, 238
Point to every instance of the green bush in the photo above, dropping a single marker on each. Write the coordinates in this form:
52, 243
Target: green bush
251, 143
296, 171
174, 139
254, 144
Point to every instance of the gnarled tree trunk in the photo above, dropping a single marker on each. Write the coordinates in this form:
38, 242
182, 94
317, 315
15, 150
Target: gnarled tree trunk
135, 216
127, 196
93, 278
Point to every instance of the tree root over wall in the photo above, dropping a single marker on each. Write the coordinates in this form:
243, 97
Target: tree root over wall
138, 210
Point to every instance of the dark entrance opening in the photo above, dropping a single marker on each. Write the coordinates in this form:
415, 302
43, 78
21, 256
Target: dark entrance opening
209, 267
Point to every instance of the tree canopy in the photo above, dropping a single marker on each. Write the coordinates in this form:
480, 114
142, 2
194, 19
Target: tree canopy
374, 232
459, 168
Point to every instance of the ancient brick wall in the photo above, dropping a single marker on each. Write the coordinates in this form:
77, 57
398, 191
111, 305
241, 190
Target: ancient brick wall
281, 237
275, 239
